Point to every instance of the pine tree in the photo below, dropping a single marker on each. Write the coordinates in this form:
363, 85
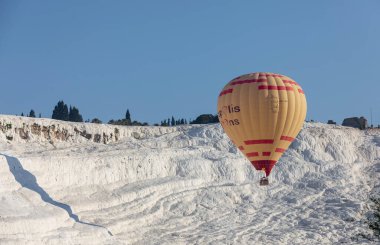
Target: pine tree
172, 122
32, 113
128, 115
127, 120
22, 114
39, 115
74, 115
61, 112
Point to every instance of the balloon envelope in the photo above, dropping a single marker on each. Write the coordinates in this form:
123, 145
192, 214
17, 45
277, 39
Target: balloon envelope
262, 113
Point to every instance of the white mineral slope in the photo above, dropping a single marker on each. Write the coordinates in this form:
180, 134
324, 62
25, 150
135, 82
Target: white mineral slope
180, 185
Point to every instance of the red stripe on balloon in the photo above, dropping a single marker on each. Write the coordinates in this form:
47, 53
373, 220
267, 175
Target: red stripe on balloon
252, 154
241, 148
227, 91
301, 91
266, 153
287, 138
280, 150
290, 82
261, 141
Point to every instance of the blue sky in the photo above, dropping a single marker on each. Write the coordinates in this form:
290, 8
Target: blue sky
164, 58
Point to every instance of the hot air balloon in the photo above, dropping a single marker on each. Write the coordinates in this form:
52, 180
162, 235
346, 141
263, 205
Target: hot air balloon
262, 113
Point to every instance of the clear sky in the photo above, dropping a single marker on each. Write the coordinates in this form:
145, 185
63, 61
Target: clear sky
164, 58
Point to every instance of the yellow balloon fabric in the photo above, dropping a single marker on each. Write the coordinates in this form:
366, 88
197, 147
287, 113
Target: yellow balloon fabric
262, 113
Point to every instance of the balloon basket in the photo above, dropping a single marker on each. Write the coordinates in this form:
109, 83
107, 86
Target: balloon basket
264, 181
